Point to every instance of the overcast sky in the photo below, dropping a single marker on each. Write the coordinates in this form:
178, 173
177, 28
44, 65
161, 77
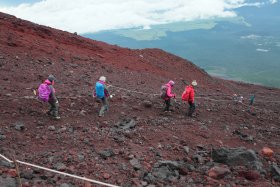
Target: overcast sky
84, 16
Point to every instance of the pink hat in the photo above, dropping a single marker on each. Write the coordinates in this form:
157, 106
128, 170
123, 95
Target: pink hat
171, 82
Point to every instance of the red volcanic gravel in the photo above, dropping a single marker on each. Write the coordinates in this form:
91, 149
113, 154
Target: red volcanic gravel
135, 143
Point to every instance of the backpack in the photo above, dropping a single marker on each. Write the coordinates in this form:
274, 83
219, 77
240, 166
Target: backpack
185, 95
44, 92
163, 91
99, 90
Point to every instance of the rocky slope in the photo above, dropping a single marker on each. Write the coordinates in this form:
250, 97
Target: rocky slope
135, 144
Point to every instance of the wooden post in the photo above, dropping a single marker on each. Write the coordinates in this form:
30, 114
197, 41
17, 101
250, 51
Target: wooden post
18, 172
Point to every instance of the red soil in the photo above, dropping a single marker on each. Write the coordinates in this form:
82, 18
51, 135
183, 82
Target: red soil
30, 52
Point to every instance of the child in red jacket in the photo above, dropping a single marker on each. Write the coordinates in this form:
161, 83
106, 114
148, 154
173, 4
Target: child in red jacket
188, 95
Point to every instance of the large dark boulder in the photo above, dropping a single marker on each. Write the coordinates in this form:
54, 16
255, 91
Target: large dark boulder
237, 157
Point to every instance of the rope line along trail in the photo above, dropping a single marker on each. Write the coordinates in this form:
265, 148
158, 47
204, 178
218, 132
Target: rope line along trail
59, 172
35, 97
132, 91
207, 98
138, 92
152, 94
109, 85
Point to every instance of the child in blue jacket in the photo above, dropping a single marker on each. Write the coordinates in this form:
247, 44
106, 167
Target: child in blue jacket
101, 93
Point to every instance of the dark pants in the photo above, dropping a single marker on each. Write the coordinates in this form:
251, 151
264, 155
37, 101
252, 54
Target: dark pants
167, 104
53, 108
251, 108
191, 109
104, 106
